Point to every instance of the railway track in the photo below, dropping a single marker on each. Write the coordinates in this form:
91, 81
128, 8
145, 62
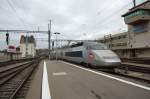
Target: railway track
5, 63
137, 60
135, 68
14, 81
125, 71
130, 71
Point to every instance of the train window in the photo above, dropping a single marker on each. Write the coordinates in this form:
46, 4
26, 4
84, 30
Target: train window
74, 54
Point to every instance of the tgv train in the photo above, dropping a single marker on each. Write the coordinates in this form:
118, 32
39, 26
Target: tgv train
91, 53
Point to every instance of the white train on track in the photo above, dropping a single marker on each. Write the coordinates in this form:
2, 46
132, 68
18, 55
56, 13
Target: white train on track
91, 53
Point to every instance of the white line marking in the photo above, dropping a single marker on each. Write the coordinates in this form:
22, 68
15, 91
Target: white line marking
118, 79
45, 84
59, 73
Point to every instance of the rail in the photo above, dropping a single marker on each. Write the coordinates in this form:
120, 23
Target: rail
137, 60
13, 78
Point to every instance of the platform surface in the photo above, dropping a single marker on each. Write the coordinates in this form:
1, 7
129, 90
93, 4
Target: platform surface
66, 81
35, 88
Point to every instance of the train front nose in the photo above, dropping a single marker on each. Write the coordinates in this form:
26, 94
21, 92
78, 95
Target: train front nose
106, 58
111, 61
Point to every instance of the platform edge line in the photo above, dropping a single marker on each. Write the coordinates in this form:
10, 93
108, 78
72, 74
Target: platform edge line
45, 84
108, 76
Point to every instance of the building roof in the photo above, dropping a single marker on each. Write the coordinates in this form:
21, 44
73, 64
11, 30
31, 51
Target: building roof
30, 39
135, 11
138, 7
148, 1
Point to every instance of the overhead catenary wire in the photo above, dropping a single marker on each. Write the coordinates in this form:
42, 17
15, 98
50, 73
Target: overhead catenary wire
110, 16
107, 19
15, 11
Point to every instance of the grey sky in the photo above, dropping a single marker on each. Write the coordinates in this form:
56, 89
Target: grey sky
74, 19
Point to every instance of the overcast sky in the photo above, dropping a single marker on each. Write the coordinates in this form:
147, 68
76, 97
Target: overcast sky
74, 19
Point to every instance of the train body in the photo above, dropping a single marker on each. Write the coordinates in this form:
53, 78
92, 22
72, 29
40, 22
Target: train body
92, 53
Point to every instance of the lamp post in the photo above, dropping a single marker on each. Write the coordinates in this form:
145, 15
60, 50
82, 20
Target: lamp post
56, 33
26, 42
49, 38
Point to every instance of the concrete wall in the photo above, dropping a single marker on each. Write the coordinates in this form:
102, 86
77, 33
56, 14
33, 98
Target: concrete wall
4, 56
142, 40
143, 53
138, 40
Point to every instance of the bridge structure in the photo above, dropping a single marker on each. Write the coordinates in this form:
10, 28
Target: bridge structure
51, 42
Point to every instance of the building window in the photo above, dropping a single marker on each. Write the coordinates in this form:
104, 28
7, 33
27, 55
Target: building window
138, 12
140, 27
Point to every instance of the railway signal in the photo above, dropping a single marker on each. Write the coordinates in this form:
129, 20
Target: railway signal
52, 44
7, 38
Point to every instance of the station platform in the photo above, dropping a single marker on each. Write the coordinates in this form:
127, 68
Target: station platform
69, 81
36, 85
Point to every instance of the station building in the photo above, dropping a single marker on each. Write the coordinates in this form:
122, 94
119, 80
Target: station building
135, 43
27, 46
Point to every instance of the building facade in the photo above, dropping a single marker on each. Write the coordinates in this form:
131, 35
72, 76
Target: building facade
27, 46
136, 41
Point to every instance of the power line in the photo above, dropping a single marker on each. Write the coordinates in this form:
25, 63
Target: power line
101, 23
110, 16
23, 31
15, 11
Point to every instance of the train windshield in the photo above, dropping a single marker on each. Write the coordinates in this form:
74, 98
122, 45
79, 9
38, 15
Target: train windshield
98, 47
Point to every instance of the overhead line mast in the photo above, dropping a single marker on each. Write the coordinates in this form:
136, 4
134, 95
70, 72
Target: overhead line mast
49, 37
134, 3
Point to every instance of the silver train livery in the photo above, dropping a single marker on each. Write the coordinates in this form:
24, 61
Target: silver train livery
91, 53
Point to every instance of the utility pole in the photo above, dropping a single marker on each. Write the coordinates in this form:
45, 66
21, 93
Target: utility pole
7, 38
56, 33
49, 38
26, 40
134, 3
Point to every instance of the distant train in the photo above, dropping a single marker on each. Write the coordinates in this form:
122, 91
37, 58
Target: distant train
91, 53
11, 48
